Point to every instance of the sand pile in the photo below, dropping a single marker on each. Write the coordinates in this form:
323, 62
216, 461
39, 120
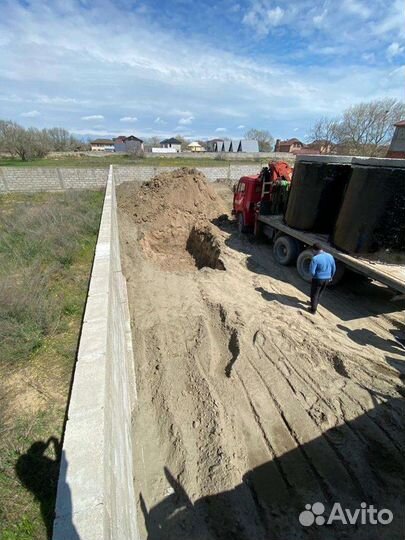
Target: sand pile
166, 210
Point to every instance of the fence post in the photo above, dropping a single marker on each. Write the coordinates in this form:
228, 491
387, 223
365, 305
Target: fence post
61, 182
3, 177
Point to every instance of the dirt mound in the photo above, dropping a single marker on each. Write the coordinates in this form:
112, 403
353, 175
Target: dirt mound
167, 210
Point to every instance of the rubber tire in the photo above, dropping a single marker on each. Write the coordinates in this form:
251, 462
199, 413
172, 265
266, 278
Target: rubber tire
286, 250
241, 224
303, 264
304, 261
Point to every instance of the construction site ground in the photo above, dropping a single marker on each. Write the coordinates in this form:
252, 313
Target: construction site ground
249, 407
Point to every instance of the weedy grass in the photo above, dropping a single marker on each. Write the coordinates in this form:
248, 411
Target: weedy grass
47, 244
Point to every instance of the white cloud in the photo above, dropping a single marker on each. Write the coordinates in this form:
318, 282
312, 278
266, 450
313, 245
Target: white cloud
394, 49
202, 85
241, 126
59, 100
320, 18
186, 120
275, 16
220, 130
129, 119
356, 8
30, 114
261, 17
93, 117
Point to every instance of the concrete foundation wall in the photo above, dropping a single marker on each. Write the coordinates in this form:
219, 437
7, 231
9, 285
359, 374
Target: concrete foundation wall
96, 499
33, 179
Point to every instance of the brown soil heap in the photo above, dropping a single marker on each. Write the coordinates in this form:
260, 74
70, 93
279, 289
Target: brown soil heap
167, 209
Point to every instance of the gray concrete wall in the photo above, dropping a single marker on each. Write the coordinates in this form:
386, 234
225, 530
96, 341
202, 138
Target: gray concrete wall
34, 179
231, 156
96, 499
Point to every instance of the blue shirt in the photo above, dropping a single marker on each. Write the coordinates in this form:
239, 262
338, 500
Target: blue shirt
323, 266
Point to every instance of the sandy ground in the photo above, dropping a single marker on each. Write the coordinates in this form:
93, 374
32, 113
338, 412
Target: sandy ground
249, 407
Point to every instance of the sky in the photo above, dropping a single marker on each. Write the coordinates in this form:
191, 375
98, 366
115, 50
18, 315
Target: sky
199, 69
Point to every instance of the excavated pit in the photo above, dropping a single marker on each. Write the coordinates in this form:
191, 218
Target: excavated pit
204, 246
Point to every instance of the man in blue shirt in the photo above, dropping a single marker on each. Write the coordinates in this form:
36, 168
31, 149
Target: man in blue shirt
323, 268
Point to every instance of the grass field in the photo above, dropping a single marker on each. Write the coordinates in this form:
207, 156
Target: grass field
104, 161
47, 243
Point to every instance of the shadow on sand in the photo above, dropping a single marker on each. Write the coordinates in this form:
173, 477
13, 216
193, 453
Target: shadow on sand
355, 297
39, 474
354, 463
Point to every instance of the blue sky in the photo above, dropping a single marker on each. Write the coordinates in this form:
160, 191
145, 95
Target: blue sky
201, 69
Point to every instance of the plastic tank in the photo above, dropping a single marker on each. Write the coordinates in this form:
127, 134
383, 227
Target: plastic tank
317, 191
372, 216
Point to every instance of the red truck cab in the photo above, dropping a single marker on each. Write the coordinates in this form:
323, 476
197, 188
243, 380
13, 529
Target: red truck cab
248, 192
260, 188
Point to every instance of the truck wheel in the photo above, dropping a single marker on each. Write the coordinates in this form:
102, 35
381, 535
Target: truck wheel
303, 264
241, 224
285, 250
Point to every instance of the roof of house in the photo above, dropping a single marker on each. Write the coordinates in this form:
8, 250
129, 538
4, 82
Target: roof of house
123, 138
215, 140
400, 124
319, 141
172, 140
194, 143
290, 141
249, 145
102, 141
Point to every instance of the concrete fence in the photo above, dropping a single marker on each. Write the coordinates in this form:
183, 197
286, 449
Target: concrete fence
34, 179
95, 498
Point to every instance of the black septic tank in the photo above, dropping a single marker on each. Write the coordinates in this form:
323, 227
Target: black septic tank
317, 191
372, 216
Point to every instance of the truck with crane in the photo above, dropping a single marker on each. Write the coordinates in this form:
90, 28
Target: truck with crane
261, 202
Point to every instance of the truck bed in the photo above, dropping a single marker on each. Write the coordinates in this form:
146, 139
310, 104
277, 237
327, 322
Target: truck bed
392, 275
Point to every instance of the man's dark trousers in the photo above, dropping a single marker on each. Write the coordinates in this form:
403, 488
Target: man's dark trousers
317, 288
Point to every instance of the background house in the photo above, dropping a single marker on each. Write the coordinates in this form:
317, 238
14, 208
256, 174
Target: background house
195, 147
320, 146
214, 145
289, 145
248, 145
128, 145
171, 143
103, 145
397, 147
226, 146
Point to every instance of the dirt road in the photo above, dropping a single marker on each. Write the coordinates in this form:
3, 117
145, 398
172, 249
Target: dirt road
249, 407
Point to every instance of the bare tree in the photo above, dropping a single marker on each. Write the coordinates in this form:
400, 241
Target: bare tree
263, 137
152, 142
363, 128
184, 142
61, 140
9, 134
16, 140
34, 143
325, 133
